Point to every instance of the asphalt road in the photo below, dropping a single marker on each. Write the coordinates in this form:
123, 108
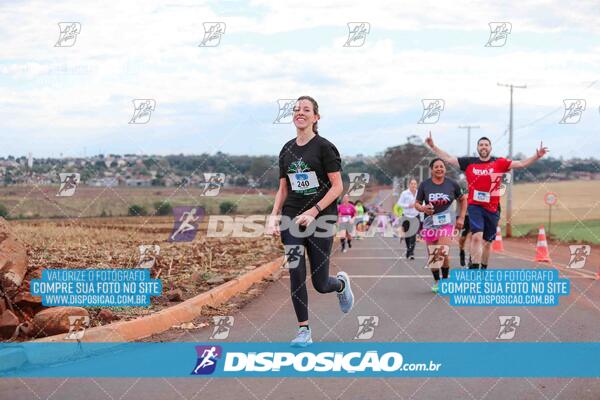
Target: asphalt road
395, 290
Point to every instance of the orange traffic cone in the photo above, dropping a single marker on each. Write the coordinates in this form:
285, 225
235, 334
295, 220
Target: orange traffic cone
541, 254
598, 274
497, 245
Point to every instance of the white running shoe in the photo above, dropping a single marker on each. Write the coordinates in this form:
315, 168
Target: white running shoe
303, 338
346, 298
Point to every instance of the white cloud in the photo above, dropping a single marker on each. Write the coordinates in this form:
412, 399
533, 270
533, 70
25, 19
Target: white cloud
143, 49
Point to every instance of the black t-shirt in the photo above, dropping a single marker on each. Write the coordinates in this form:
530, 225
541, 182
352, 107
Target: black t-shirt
440, 196
305, 169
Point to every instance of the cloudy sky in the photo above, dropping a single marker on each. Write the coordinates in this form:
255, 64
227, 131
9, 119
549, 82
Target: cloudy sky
78, 99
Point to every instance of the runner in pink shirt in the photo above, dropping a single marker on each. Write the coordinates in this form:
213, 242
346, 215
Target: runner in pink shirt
346, 213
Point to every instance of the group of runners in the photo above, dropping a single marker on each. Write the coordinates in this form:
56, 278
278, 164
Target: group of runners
355, 219
310, 183
352, 216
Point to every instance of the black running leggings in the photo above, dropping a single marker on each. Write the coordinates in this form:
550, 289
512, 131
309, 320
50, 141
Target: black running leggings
318, 250
410, 240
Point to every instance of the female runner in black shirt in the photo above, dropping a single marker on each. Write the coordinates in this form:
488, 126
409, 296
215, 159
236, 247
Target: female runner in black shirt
309, 183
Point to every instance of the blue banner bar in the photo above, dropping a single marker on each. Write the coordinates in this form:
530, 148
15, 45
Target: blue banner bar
250, 360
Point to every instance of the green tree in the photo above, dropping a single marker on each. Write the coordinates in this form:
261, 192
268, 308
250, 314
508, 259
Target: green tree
163, 208
3, 211
228, 207
136, 209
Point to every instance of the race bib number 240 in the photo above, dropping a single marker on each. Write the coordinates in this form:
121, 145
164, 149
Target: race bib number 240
301, 181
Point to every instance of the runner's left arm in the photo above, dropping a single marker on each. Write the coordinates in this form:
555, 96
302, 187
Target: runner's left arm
335, 191
539, 153
462, 199
332, 164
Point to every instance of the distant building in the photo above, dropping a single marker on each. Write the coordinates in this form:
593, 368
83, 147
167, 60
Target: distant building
103, 182
139, 182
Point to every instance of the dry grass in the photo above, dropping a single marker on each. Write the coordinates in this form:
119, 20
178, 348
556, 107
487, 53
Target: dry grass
577, 200
32, 201
113, 243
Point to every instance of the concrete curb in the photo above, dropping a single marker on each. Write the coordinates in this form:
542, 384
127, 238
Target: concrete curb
139, 328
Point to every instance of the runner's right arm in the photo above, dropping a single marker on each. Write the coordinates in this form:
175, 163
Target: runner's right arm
452, 160
427, 209
282, 192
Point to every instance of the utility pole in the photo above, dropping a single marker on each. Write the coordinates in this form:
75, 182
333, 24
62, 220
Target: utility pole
468, 128
510, 155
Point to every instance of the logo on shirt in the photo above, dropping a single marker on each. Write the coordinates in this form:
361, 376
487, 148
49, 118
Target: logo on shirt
438, 199
298, 167
486, 171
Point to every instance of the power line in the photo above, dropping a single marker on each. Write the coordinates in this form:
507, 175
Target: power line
558, 109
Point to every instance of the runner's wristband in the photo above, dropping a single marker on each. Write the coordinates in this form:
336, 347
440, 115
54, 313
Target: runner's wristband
319, 209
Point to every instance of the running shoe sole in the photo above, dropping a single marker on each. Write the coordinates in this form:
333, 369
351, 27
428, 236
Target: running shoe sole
347, 292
